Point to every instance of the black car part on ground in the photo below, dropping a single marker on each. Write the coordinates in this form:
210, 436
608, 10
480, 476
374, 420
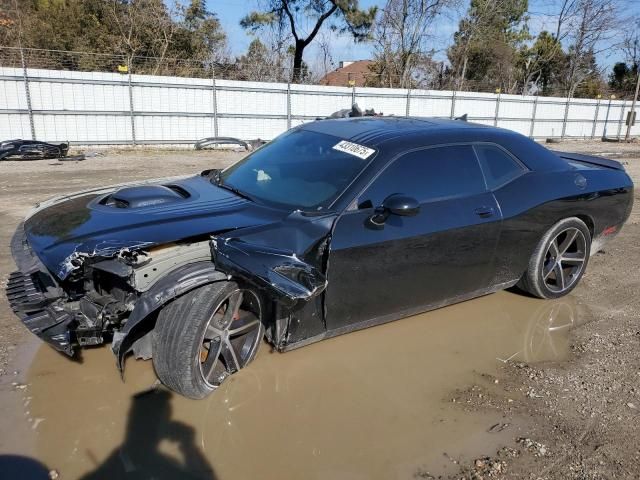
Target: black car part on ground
249, 145
32, 150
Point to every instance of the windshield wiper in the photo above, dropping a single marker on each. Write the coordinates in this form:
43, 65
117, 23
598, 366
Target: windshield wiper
233, 189
214, 177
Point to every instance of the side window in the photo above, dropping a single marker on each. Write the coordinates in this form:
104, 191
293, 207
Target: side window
427, 175
498, 166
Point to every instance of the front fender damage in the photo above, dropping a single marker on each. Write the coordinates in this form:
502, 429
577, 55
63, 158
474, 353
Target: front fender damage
177, 283
286, 264
289, 266
285, 277
280, 274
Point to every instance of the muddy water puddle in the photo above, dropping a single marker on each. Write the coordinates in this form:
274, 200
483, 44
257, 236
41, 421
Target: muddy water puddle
371, 404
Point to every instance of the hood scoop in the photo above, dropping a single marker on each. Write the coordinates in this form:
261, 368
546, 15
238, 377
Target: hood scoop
145, 196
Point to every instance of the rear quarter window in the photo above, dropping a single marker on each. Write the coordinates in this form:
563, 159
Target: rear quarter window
498, 166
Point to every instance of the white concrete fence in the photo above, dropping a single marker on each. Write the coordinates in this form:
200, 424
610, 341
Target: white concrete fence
92, 108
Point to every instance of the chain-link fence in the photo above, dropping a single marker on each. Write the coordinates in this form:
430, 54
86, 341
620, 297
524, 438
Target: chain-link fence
112, 99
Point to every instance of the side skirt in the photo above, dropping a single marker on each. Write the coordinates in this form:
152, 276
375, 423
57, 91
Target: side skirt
372, 322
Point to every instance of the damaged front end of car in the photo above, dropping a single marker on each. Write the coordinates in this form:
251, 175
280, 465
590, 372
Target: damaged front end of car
98, 293
103, 290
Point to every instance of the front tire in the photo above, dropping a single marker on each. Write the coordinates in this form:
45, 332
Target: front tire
559, 260
205, 336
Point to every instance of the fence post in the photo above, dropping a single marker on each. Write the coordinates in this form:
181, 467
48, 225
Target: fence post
27, 92
621, 121
566, 116
453, 105
408, 102
533, 117
595, 119
606, 119
214, 101
495, 118
353, 93
131, 115
288, 105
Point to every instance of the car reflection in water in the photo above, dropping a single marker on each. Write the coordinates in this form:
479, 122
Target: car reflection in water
374, 404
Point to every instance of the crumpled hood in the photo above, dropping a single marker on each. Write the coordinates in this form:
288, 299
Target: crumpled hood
103, 221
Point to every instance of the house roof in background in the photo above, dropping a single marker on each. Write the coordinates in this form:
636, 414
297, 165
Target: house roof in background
356, 71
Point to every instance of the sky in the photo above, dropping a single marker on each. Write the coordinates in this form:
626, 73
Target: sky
542, 16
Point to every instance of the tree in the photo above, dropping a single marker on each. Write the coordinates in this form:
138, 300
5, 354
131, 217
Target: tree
623, 78
201, 37
588, 23
631, 43
8, 22
342, 16
143, 28
541, 64
259, 64
145, 32
403, 53
591, 84
149, 28
487, 43
71, 25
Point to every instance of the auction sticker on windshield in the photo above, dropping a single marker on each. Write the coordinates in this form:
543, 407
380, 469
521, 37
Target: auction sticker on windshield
359, 151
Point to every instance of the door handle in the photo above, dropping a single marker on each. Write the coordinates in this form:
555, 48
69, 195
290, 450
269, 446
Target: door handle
484, 212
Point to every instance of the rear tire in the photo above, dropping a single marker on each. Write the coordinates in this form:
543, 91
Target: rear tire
206, 335
559, 260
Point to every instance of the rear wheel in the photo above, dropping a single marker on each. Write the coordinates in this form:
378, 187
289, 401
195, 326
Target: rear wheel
205, 336
559, 261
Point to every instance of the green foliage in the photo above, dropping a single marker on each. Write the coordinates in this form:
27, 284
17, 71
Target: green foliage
132, 28
623, 78
257, 20
542, 63
487, 42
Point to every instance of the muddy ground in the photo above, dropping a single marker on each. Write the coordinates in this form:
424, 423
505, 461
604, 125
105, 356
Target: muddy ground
503, 386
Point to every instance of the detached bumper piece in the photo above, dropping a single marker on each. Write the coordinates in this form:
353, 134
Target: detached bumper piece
29, 302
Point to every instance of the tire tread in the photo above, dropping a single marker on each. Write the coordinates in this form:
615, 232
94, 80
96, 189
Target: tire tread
176, 339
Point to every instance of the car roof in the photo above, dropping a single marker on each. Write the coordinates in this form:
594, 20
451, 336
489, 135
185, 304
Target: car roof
375, 131
392, 136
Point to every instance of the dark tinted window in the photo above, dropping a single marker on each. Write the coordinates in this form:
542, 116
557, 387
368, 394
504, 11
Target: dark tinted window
499, 167
428, 175
300, 169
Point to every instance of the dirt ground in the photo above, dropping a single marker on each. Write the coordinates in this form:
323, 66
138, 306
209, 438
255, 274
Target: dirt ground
503, 386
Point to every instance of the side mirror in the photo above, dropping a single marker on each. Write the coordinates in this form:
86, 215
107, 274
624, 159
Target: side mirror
399, 204
396, 204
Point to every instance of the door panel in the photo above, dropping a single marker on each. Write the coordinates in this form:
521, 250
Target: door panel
445, 251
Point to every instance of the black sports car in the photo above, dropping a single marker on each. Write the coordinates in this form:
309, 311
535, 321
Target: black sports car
334, 226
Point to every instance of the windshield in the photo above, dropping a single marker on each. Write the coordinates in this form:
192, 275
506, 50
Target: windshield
299, 169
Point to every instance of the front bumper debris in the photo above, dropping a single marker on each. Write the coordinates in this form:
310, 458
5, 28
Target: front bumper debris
32, 293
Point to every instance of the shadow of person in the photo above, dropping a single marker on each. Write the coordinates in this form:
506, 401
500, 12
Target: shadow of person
139, 457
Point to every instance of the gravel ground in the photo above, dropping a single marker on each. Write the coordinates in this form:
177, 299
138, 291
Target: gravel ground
585, 412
